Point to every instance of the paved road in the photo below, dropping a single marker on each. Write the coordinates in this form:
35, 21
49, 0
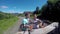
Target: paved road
14, 29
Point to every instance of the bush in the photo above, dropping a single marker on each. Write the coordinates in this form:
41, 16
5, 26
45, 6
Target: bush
51, 12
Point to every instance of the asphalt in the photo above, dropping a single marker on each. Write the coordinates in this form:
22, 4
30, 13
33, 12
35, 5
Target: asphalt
14, 28
45, 30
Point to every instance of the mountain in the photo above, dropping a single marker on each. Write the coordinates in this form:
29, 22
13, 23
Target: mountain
5, 15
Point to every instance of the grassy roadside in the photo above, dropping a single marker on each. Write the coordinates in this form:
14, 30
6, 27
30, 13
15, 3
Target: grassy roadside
6, 23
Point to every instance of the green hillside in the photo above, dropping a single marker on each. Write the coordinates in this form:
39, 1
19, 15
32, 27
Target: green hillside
6, 15
6, 20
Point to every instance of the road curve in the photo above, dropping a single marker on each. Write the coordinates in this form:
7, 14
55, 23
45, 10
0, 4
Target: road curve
14, 29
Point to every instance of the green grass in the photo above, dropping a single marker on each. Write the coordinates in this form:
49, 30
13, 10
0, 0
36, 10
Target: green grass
6, 23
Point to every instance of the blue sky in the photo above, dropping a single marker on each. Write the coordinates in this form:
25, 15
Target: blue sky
19, 6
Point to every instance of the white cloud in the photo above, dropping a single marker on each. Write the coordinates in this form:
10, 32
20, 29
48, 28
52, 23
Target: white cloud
20, 12
3, 6
11, 11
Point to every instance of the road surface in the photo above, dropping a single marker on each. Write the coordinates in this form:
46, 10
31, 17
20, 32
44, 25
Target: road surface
14, 29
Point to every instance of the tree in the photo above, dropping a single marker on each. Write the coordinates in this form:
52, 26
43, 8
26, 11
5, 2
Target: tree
36, 11
37, 8
53, 1
52, 13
